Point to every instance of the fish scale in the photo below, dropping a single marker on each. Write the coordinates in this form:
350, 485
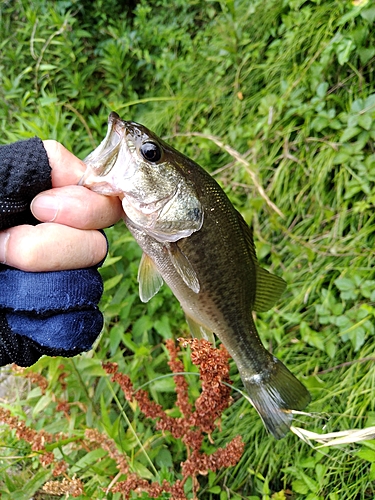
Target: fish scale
198, 243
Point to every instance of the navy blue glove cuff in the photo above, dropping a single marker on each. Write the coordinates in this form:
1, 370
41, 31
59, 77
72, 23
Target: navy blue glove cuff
57, 310
48, 292
68, 331
23, 351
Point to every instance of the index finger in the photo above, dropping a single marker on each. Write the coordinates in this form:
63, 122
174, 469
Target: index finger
67, 169
76, 206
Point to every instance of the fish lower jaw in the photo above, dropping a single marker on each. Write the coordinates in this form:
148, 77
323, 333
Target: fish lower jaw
104, 188
94, 182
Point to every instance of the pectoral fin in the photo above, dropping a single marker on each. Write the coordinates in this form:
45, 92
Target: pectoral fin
183, 267
149, 279
268, 290
199, 331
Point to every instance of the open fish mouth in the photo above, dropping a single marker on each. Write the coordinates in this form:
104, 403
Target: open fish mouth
112, 154
103, 158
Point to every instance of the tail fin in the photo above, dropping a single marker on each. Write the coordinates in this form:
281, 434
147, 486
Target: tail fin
273, 393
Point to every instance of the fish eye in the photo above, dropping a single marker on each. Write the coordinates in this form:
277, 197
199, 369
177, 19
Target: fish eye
151, 151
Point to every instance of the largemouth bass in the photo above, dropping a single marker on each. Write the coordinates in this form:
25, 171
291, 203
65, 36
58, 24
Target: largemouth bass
195, 240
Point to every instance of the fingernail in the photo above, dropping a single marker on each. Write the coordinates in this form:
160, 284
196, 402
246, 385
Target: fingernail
45, 207
4, 238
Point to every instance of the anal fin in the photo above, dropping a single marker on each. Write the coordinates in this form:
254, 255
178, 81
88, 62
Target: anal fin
199, 331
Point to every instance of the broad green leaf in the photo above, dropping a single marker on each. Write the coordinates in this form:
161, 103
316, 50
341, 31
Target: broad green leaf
366, 454
142, 325
89, 367
33, 485
105, 419
112, 282
365, 121
367, 288
215, 489
162, 326
321, 471
345, 48
312, 337
89, 459
319, 123
142, 471
353, 121
357, 105
164, 385
334, 496
42, 404
370, 102
299, 486
368, 14
345, 284
331, 348
47, 67
308, 462
322, 89
349, 133
164, 458
357, 337
311, 483
366, 53
109, 261
116, 337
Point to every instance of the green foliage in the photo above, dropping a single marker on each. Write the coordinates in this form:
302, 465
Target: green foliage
288, 84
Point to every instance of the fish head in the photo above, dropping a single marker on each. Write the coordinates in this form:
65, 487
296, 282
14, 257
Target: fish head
145, 173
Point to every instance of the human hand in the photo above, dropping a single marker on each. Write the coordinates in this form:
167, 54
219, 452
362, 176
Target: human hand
70, 215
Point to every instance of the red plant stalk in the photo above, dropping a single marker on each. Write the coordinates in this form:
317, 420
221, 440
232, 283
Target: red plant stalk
193, 424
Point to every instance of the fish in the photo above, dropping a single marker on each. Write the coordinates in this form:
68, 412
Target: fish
194, 240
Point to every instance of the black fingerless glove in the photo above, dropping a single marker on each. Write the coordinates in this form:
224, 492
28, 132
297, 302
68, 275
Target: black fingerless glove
24, 172
52, 313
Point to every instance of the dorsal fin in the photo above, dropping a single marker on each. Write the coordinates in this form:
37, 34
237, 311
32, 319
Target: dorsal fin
269, 287
248, 234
